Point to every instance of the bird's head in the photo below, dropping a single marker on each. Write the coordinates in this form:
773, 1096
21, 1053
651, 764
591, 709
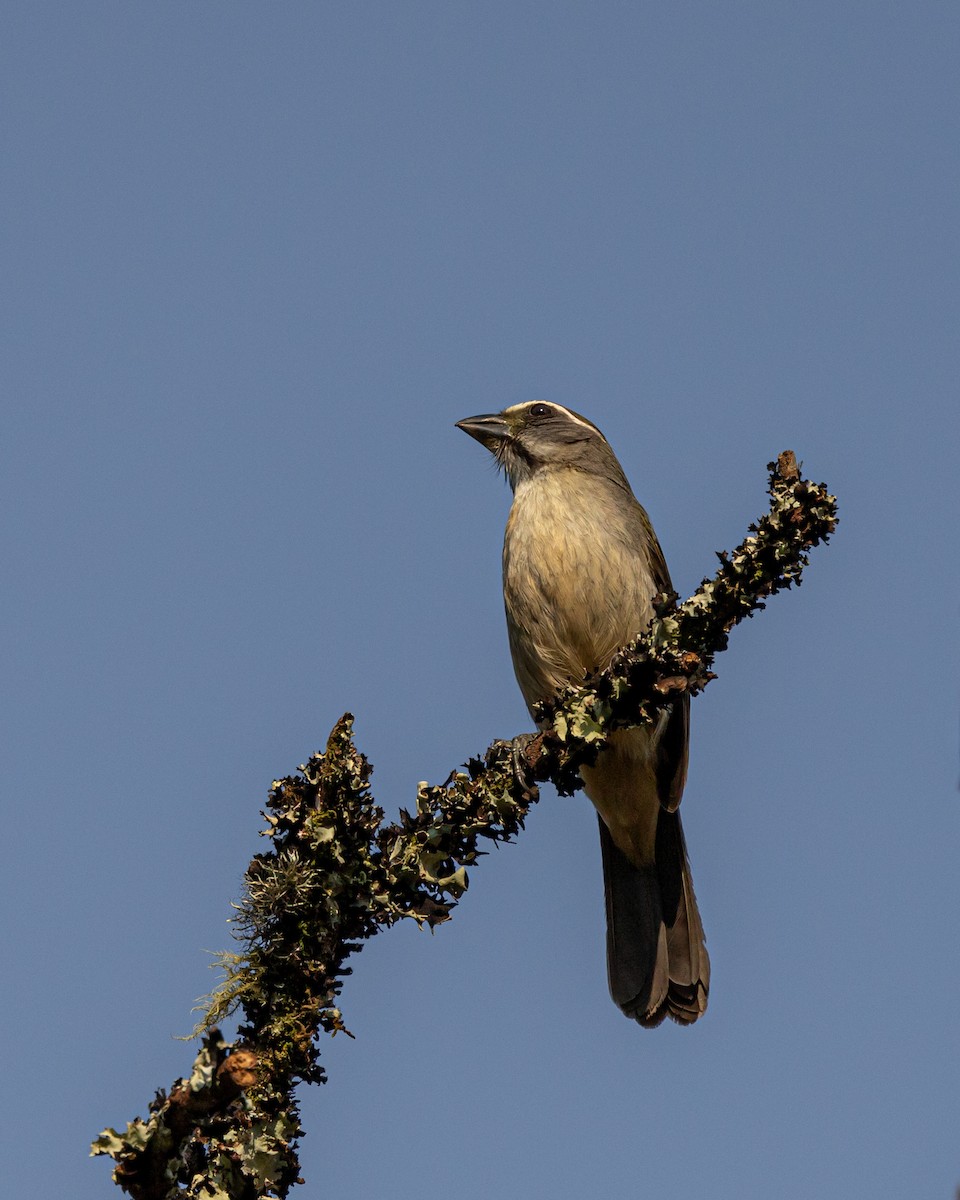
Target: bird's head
536, 436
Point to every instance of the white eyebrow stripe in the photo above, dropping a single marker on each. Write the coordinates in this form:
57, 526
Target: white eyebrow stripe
577, 420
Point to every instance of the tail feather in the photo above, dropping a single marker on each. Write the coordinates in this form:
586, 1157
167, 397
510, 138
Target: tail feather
656, 952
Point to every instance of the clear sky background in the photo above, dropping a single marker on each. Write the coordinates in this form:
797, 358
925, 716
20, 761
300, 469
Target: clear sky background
258, 258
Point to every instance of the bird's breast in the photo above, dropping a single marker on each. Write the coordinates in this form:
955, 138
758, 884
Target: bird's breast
577, 582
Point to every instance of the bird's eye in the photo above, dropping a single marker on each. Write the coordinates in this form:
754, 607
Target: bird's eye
541, 410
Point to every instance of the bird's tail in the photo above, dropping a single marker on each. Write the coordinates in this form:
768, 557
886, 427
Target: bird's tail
656, 953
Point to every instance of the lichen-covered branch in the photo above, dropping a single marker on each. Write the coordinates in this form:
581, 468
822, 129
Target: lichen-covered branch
335, 874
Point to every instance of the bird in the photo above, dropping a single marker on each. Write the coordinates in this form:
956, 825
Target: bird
581, 569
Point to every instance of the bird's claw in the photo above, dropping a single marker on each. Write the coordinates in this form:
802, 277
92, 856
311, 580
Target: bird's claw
522, 764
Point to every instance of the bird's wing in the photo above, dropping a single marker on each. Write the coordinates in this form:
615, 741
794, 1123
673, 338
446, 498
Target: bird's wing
672, 754
672, 748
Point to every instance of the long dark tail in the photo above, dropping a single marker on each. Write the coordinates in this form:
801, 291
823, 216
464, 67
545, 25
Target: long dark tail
656, 953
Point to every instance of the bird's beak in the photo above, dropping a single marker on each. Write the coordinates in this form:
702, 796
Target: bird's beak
490, 430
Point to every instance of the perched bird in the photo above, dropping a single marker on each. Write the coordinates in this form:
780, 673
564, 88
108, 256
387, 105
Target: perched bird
581, 566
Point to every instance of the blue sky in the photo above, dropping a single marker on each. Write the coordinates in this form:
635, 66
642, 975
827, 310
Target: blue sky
258, 259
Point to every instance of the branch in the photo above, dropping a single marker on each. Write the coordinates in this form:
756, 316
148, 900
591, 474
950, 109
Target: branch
336, 874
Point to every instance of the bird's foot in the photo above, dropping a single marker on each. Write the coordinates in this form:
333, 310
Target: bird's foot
524, 750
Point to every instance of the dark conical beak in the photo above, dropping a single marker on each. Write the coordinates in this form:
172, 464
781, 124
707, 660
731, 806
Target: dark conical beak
490, 429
